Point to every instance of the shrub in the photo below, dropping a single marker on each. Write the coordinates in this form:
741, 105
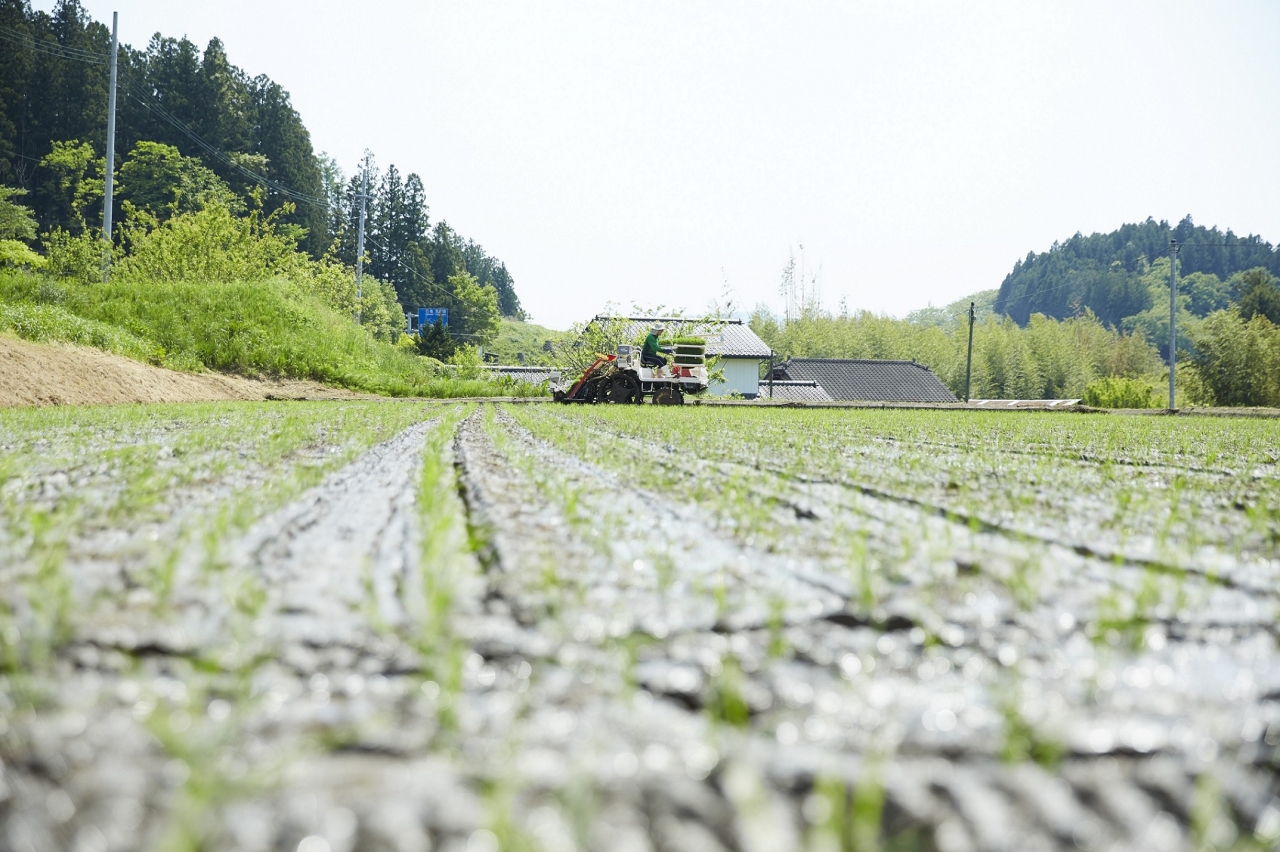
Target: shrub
1120, 392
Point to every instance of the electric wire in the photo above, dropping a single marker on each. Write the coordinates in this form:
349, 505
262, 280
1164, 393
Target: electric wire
53, 48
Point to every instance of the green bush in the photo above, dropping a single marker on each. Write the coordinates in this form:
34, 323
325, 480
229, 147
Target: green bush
1120, 392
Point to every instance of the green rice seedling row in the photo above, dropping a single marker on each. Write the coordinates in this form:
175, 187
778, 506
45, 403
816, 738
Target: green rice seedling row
522, 626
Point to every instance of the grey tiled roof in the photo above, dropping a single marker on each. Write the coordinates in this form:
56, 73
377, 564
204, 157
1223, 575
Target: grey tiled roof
728, 339
898, 381
792, 390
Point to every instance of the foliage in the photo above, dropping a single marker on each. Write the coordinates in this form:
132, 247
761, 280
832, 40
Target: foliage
434, 342
1238, 359
467, 361
16, 221
15, 253
269, 327
516, 338
475, 316
46, 323
1153, 322
76, 257
210, 244
1105, 272
214, 245
17, 225
1259, 295
1049, 359
49, 103
403, 247
157, 180
78, 178
1120, 392
956, 313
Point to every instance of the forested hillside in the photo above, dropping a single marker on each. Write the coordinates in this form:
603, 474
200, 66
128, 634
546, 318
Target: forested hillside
1104, 272
242, 128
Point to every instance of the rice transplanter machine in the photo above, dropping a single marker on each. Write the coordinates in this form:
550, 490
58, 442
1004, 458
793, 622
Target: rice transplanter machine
622, 379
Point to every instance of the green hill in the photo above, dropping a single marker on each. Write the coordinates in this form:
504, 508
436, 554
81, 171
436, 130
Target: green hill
516, 339
1103, 272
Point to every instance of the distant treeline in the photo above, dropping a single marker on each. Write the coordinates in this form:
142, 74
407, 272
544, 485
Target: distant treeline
1228, 343
1104, 273
53, 92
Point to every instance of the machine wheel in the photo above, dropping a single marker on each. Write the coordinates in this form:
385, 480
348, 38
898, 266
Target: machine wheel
668, 396
624, 390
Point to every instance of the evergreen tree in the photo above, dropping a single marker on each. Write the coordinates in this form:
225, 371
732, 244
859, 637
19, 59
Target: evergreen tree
1259, 296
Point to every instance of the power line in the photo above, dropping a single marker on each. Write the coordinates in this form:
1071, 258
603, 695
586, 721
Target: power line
53, 48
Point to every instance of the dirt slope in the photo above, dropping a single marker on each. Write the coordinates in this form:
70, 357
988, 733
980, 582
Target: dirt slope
57, 374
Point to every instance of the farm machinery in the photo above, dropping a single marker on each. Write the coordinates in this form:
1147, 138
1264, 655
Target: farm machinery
624, 380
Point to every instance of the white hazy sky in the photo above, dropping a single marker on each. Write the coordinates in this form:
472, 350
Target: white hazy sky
652, 151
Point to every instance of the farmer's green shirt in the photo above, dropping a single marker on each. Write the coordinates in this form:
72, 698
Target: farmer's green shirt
651, 344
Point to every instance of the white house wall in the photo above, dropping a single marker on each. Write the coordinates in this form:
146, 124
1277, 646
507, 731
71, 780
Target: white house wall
741, 375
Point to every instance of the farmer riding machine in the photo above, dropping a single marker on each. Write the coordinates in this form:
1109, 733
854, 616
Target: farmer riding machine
623, 379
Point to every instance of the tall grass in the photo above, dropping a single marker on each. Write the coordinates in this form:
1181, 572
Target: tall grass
256, 328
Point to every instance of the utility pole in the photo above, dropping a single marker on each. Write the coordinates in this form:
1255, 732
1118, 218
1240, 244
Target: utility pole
109, 196
364, 197
1173, 319
968, 364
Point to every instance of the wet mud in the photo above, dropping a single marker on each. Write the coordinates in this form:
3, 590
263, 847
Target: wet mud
528, 647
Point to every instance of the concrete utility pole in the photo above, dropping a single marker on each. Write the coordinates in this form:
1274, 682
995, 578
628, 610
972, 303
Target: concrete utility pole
968, 364
364, 196
1173, 319
109, 195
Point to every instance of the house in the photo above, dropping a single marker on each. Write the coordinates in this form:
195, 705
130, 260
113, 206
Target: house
741, 352
858, 379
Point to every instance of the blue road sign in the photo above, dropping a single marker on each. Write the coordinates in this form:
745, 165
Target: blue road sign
429, 316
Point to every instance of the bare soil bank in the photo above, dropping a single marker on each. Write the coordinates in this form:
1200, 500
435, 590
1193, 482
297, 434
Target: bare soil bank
57, 374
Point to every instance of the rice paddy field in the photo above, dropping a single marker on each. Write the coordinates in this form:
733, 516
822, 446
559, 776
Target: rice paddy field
471, 627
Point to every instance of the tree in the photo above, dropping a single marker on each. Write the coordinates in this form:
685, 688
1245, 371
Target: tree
434, 341
444, 252
475, 314
488, 270
1258, 295
78, 183
17, 225
1100, 271
159, 181
1239, 359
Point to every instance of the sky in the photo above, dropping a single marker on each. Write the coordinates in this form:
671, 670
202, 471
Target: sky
667, 153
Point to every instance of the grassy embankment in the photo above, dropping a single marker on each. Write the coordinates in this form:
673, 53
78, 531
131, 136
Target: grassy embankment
516, 338
260, 328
